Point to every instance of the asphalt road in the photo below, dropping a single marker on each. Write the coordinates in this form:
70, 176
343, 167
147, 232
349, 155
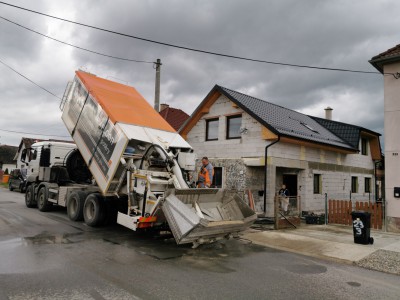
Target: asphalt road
47, 256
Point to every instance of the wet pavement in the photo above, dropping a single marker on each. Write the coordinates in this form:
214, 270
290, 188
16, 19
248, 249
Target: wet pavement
47, 256
334, 242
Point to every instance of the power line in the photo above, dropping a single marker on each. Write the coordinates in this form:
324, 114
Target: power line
33, 133
78, 47
194, 49
39, 86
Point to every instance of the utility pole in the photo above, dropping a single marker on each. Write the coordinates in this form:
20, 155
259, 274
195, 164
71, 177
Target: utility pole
157, 93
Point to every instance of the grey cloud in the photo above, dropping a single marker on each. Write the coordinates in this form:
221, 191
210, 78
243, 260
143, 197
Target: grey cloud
339, 34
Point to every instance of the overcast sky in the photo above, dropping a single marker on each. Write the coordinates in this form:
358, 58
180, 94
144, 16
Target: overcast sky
335, 34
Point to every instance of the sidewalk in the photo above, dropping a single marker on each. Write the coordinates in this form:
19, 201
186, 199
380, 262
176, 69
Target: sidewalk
334, 242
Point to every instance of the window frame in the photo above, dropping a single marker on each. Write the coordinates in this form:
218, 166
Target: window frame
208, 121
317, 190
228, 118
364, 146
367, 184
354, 184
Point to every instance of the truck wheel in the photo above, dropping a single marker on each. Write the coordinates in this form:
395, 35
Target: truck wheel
76, 200
30, 197
93, 210
10, 186
42, 200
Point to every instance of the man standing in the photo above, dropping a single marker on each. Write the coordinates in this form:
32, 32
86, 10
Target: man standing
206, 174
284, 197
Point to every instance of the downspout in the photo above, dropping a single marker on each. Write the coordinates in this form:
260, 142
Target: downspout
265, 172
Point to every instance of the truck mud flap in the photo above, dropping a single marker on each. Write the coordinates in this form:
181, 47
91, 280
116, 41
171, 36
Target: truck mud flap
204, 215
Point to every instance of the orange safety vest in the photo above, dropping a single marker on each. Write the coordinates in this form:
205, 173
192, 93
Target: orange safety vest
204, 175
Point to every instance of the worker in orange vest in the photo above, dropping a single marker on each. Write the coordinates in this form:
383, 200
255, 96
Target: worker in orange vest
206, 174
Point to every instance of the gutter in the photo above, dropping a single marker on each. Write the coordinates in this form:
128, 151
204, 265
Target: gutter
265, 172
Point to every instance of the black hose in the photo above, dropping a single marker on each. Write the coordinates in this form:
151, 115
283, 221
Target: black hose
77, 168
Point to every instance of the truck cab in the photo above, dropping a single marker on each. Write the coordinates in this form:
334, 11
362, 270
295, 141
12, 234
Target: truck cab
45, 154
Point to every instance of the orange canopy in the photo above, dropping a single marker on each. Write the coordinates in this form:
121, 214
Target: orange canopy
123, 103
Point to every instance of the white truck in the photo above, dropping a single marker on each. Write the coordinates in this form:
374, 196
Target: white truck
131, 164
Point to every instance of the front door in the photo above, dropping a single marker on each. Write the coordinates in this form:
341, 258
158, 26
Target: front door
291, 183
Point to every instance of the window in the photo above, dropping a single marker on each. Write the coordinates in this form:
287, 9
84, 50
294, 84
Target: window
367, 185
364, 146
317, 184
217, 179
212, 129
309, 127
233, 124
354, 184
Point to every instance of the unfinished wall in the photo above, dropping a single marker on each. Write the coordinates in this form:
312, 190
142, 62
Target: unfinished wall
243, 160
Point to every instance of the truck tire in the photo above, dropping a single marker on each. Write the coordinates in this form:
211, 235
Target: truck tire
93, 210
43, 203
30, 197
76, 200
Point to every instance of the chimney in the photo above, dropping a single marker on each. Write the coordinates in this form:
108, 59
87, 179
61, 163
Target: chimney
163, 106
328, 113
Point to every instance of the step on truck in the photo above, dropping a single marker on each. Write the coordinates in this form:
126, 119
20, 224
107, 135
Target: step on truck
128, 162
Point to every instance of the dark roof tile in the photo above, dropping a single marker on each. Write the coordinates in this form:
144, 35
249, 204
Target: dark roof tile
285, 121
348, 132
395, 51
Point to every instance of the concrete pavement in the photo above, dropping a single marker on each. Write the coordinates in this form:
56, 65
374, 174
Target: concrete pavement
334, 242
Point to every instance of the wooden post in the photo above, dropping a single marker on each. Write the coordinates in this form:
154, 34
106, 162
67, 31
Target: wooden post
276, 212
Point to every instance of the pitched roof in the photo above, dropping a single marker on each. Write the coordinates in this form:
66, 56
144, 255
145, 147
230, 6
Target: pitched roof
390, 55
122, 103
284, 121
347, 132
174, 116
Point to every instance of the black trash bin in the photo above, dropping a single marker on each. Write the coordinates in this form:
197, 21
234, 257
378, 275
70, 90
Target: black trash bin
362, 227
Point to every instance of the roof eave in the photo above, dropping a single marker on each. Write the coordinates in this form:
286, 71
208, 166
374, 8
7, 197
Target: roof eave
350, 149
378, 63
198, 109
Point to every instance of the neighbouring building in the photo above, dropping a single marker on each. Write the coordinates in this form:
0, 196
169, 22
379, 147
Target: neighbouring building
388, 63
249, 140
7, 161
174, 116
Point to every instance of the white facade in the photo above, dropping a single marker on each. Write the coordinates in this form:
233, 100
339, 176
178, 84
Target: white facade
242, 162
392, 145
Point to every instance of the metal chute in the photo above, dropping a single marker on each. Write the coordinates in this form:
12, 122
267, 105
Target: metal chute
204, 215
